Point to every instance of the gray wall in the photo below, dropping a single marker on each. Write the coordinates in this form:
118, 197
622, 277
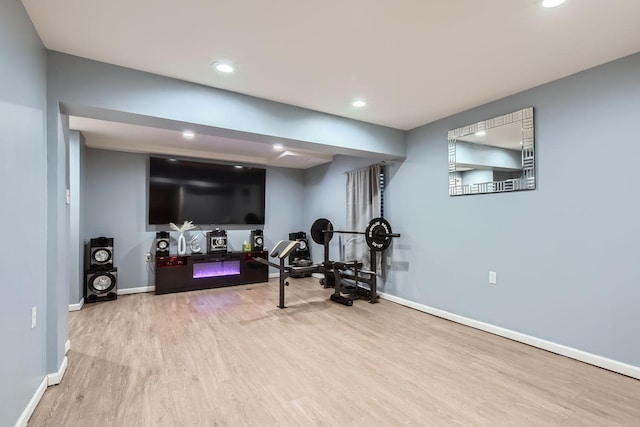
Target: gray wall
476, 176
468, 153
93, 89
22, 170
114, 204
58, 243
76, 248
88, 88
326, 197
566, 254
574, 282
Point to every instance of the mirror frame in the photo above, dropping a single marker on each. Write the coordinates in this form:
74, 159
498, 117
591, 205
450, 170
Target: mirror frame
528, 179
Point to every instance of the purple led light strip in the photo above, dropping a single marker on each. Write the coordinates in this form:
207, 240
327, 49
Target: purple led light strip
216, 269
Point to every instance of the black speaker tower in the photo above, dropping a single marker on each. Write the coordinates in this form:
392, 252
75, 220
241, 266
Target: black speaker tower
217, 241
162, 243
101, 277
101, 285
301, 256
100, 253
257, 241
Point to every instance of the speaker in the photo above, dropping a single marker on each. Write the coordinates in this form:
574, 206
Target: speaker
257, 241
100, 253
217, 241
162, 243
301, 255
101, 285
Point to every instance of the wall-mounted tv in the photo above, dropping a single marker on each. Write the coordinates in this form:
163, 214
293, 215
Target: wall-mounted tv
205, 193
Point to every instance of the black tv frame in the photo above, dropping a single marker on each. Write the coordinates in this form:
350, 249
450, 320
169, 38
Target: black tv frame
205, 193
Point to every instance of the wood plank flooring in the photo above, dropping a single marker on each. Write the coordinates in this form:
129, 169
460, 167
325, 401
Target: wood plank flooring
229, 357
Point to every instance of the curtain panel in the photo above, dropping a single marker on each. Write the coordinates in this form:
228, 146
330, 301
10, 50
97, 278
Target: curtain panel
363, 204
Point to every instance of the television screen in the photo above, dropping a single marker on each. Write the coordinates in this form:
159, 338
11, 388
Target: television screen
205, 193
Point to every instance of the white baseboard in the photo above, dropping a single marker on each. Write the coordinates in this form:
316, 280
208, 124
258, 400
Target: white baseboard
274, 275
50, 379
67, 346
56, 377
31, 406
592, 359
140, 290
76, 307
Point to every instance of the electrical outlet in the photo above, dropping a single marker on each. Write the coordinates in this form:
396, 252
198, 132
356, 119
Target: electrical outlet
388, 261
492, 278
148, 256
34, 312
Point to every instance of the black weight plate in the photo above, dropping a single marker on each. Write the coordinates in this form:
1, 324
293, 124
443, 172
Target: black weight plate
317, 230
376, 234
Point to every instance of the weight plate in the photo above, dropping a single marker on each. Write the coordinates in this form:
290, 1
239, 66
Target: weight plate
317, 230
377, 234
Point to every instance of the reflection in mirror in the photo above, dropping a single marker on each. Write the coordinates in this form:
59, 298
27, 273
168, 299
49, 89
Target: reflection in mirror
493, 156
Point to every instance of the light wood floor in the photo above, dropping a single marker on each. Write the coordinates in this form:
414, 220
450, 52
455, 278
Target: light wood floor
229, 357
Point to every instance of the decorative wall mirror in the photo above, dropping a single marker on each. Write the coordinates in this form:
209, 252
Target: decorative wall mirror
493, 156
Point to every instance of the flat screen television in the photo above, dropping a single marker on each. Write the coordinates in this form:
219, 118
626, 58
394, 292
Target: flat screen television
205, 193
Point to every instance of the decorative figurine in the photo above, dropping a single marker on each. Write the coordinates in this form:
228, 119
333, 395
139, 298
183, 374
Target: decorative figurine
182, 243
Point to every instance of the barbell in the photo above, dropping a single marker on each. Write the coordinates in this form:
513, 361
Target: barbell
378, 233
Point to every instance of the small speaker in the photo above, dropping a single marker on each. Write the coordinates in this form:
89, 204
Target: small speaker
257, 241
297, 235
162, 243
100, 253
217, 241
101, 285
301, 255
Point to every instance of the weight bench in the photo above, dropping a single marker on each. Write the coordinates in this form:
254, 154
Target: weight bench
282, 250
355, 291
377, 234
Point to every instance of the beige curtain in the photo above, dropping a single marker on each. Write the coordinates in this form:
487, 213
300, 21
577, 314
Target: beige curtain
363, 204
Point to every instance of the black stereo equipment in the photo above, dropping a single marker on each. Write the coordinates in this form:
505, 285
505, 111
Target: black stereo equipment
101, 285
162, 243
300, 256
257, 241
217, 241
100, 253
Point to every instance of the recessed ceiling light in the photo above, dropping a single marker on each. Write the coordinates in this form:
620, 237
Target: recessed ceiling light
359, 103
188, 134
551, 3
223, 67
172, 160
481, 133
238, 167
278, 146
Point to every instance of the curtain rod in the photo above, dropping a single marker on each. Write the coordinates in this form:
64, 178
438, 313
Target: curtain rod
382, 163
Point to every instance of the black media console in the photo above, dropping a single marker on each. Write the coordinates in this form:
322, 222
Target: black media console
205, 271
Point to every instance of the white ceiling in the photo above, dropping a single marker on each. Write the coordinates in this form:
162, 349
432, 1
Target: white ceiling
507, 136
141, 139
414, 61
